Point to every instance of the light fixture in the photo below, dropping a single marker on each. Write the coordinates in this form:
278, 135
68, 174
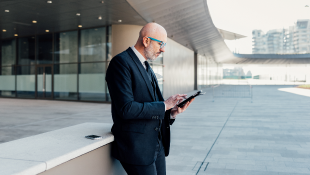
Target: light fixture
34, 21
119, 20
102, 2
3, 30
78, 14
6, 10
49, 2
100, 17
15, 34
79, 25
47, 31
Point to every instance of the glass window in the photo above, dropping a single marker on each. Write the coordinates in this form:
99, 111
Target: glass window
26, 81
159, 72
109, 44
65, 81
26, 50
45, 49
157, 67
92, 86
7, 79
93, 45
8, 52
66, 45
44, 81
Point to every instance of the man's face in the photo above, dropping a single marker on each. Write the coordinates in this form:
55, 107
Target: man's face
153, 50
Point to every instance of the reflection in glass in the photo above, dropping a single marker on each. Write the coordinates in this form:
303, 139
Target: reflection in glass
7, 82
109, 44
65, 81
44, 82
66, 45
45, 49
157, 66
8, 52
26, 81
93, 45
47, 62
26, 50
159, 71
92, 82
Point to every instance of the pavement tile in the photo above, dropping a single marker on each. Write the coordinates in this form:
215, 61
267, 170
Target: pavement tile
267, 137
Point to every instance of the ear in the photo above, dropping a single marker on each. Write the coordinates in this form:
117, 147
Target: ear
145, 42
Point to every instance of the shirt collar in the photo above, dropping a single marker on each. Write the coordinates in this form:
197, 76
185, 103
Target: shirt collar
141, 58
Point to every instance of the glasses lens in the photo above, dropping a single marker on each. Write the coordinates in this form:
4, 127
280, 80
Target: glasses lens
163, 45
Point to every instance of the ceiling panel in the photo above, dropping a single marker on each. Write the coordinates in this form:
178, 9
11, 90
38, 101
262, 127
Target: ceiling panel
189, 22
61, 15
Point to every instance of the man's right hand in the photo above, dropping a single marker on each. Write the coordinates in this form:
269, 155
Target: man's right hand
173, 100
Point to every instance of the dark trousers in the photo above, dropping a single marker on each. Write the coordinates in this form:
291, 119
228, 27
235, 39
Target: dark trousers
158, 167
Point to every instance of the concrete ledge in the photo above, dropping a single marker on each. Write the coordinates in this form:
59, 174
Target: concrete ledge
36, 154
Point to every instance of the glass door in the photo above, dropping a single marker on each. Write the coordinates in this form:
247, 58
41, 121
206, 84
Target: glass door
44, 81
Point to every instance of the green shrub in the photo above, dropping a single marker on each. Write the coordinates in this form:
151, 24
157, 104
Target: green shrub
306, 86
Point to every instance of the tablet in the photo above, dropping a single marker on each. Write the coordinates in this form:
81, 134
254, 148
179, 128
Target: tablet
189, 98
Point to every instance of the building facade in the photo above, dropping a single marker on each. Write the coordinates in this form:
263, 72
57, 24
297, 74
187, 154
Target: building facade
293, 40
71, 65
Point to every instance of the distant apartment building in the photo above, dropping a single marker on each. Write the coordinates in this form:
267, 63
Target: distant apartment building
293, 40
236, 73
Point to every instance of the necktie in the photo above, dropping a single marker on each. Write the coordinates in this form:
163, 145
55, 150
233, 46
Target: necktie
151, 77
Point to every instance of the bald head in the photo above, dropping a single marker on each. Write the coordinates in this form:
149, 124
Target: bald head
153, 30
149, 48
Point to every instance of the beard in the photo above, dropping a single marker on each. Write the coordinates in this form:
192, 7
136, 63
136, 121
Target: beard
149, 53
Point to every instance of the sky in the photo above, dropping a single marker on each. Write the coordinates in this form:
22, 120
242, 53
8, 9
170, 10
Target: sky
243, 16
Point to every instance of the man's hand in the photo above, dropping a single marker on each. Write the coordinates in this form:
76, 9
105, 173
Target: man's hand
172, 101
177, 110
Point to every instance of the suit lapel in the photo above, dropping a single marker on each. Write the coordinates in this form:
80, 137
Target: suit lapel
142, 71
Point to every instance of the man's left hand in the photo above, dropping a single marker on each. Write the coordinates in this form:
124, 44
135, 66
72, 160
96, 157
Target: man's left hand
177, 110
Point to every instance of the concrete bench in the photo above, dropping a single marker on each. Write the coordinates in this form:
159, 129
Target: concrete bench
64, 151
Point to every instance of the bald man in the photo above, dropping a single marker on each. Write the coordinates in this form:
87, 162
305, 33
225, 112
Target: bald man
141, 116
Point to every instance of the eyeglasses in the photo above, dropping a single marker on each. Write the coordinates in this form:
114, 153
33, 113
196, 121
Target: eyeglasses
163, 44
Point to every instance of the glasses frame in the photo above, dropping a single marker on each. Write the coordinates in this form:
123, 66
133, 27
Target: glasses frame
163, 44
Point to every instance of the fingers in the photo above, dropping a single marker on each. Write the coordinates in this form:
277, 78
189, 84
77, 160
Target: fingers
182, 95
187, 104
174, 99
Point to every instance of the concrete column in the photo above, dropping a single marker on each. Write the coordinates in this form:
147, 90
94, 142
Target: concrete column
124, 36
195, 71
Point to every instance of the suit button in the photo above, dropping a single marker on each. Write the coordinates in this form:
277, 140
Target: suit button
156, 129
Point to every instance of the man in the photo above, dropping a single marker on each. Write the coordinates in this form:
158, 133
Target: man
141, 116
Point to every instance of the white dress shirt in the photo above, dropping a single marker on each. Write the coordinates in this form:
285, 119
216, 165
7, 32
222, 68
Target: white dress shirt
142, 59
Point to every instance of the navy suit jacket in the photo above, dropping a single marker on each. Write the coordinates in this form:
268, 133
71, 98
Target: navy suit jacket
135, 112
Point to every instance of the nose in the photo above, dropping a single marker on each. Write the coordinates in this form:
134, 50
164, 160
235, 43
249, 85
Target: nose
162, 49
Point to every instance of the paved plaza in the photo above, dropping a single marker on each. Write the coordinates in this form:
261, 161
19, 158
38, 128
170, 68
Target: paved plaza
221, 135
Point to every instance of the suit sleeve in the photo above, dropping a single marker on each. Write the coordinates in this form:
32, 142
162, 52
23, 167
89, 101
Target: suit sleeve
119, 82
167, 115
